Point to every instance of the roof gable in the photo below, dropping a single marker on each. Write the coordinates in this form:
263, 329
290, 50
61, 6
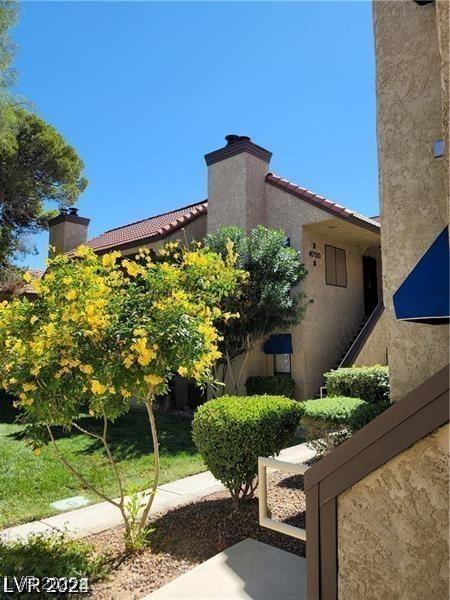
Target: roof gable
160, 226
323, 203
148, 230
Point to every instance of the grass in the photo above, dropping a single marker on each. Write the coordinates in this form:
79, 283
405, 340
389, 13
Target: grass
29, 483
52, 555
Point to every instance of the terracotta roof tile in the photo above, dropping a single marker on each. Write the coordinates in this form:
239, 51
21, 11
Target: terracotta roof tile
149, 229
28, 288
339, 211
160, 226
19, 286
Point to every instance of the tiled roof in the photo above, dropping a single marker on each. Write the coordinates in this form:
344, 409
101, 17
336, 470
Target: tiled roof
18, 286
37, 274
149, 229
159, 227
323, 203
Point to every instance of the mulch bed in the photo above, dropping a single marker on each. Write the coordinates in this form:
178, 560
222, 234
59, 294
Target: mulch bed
188, 535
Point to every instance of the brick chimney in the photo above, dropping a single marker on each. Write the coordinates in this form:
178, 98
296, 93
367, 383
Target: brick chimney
236, 184
67, 231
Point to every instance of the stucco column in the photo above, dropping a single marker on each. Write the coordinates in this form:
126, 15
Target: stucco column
236, 184
414, 197
67, 231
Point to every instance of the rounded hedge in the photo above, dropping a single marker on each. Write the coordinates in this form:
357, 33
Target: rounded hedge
231, 432
329, 421
334, 410
369, 383
325, 422
365, 413
275, 385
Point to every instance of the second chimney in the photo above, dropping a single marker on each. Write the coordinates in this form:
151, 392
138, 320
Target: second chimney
67, 231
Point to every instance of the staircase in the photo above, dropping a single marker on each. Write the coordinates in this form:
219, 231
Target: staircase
350, 343
354, 345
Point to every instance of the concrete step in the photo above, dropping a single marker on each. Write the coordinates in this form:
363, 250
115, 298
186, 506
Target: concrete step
249, 569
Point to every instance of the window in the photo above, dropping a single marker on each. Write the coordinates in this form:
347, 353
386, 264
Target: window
335, 266
282, 364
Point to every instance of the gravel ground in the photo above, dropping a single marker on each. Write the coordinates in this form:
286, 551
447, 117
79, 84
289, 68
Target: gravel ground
186, 536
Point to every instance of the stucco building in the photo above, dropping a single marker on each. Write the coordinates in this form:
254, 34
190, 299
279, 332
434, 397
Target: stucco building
378, 505
409, 552
340, 249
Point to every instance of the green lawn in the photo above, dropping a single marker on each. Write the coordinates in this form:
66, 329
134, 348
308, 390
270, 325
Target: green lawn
28, 483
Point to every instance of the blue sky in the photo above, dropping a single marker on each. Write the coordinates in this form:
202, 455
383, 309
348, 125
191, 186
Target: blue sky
143, 90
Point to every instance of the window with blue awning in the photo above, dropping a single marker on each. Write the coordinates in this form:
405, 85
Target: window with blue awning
279, 343
424, 295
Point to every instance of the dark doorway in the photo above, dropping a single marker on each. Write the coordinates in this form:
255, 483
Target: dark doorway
196, 395
370, 284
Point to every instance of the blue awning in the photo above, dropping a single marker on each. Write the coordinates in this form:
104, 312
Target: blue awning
279, 343
424, 295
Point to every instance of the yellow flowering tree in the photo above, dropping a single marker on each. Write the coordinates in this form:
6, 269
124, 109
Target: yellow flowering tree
104, 330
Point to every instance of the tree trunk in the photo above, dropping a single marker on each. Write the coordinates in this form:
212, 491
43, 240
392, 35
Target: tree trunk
151, 416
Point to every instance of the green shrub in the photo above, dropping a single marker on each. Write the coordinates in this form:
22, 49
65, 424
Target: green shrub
277, 385
326, 421
45, 556
231, 432
365, 413
369, 383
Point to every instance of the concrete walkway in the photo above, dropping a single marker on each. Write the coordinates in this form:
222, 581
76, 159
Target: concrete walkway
102, 516
249, 569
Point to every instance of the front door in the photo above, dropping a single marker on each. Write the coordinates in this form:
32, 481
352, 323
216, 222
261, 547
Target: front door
370, 284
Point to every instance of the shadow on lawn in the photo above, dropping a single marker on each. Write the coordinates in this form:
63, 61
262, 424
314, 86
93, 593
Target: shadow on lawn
8, 414
129, 436
198, 531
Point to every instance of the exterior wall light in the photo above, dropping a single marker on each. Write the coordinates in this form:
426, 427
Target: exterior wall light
438, 148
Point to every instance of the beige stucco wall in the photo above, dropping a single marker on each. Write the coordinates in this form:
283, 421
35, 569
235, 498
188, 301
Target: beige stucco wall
413, 190
393, 527
336, 313
236, 192
374, 351
443, 20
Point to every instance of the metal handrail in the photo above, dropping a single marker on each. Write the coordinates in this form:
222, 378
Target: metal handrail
362, 336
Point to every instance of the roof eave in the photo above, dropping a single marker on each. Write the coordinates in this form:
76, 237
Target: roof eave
343, 214
156, 237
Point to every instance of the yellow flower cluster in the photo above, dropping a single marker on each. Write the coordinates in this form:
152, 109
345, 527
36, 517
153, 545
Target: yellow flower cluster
153, 380
97, 387
140, 351
90, 334
109, 260
133, 268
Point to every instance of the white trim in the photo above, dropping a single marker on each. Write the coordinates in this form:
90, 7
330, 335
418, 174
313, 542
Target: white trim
264, 519
423, 318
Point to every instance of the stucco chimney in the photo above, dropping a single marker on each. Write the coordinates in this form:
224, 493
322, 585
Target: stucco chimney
236, 184
67, 231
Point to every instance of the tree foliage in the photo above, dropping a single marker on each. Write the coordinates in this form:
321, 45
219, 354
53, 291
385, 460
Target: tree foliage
267, 299
37, 166
102, 331
8, 17
36, 163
